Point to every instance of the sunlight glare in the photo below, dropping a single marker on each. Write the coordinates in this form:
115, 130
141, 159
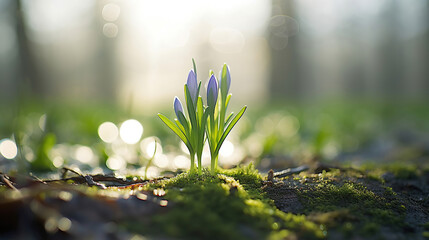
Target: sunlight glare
227, 40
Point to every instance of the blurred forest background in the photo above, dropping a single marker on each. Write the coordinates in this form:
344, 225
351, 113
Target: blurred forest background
127, 59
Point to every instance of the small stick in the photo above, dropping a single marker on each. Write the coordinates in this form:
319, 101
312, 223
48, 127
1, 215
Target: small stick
7, 182
66, 169
290, 171
91, 182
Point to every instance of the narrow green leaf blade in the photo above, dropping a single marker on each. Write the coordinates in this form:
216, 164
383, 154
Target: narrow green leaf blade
175, 129
200, 110
195, 68
180, 126
227, 101
229, 118
183, 122
229, 128
191, 108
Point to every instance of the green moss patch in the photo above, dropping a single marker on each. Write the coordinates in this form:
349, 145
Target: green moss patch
229, 205
345, 202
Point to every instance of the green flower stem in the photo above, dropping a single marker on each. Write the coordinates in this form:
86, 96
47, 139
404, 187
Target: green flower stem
192, 156
214, 159
200, 167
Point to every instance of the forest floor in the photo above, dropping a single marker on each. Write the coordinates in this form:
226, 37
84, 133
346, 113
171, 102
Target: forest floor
322, 202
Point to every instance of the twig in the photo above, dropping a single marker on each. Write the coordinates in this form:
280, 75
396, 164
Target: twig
8, 183
290, 171
323, 166
90, 181
67, 169
96, 178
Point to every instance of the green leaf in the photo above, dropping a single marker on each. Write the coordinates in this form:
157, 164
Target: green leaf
183, 122
201, 133
229, 128
199, 87
227, 101
176, 130
195, 68
223, 85
43, 162
191, 108
200, 111
229, 118
180, 126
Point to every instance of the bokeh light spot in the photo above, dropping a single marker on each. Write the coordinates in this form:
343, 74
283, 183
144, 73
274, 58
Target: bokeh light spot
84, 154
227, 149
58, 161
152, 172
110, 30
182, 162
131, 131
64, 224
184, 148
161, 161
147, 147
42, 122
163, 203
116, 163
108, 132
111, 12
51, 225
8, 148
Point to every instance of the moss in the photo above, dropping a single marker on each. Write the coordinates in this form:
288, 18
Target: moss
228, 205
403, 171
347, 200
370, 228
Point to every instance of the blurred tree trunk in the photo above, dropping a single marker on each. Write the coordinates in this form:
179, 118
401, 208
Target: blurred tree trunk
423, 69
390, 52
106, 65
30, 81
285, 79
